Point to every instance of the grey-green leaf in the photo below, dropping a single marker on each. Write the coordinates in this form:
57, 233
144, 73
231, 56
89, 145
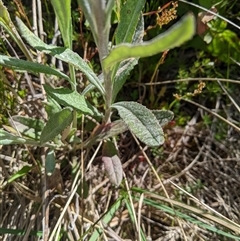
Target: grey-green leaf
141, 121
98, 15
163, 116
6, 138
61, 53
36, 124
56, 124
174, 37
67, 97
87, 8
28, 127
20, 64
126, 66
129, 17
62, 9
116, 127
124, 70
52, 106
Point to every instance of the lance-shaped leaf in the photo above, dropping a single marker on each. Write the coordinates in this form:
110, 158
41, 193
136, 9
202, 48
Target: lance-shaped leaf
61, 53
163, 116
112, 163
52, 106
62, 9
7, 24
129, 18
91, 87
124, 68
174, 37
7, 138
36, 124
67, 97
56, 124
98, 15
20, 64
22, 172
27, 126
141, 121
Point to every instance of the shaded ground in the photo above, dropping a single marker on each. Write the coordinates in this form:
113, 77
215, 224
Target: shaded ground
190, 158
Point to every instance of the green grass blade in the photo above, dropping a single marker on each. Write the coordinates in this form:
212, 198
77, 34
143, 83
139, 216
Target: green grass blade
106, 219
22, 172
123, 69
19, 232
130, 210
188, 218
178, 211
50, 162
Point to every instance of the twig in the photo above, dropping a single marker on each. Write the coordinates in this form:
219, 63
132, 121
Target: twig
214, 114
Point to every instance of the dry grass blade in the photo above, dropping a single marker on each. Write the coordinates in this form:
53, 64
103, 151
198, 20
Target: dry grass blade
212, 12
194, 79
229, 96
186, 189
214, 114
224, 222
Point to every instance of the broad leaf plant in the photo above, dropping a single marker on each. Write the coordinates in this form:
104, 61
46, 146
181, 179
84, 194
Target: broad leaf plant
117, 56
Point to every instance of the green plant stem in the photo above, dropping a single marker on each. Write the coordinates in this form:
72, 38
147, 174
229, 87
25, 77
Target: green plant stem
98, 14
73, 85
101, 39
108, 95
74, 123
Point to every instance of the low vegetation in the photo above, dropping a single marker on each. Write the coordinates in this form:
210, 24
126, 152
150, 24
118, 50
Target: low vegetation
120, 120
